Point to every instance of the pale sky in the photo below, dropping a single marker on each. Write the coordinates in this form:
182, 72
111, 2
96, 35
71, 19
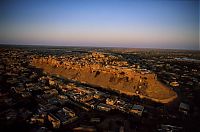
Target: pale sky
113, 23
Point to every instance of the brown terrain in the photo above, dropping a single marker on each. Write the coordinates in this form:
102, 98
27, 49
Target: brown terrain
122, 79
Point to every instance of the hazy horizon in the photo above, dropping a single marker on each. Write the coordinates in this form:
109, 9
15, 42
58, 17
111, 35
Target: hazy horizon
132, 24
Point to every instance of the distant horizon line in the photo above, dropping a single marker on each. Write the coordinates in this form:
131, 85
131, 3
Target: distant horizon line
85, 46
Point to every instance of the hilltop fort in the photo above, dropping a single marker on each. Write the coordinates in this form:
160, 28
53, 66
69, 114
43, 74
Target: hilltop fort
109, 72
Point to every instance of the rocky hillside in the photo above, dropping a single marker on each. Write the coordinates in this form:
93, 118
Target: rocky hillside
124, 80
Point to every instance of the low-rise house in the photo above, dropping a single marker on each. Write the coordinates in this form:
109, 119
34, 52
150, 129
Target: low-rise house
104, 107
26, 94
137, 109
50, 93
174, 84
65, 119
111, 101
85, 98
47, 107
54, 120
95, 120
68, 111
184, 108
37, 119
169, 128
